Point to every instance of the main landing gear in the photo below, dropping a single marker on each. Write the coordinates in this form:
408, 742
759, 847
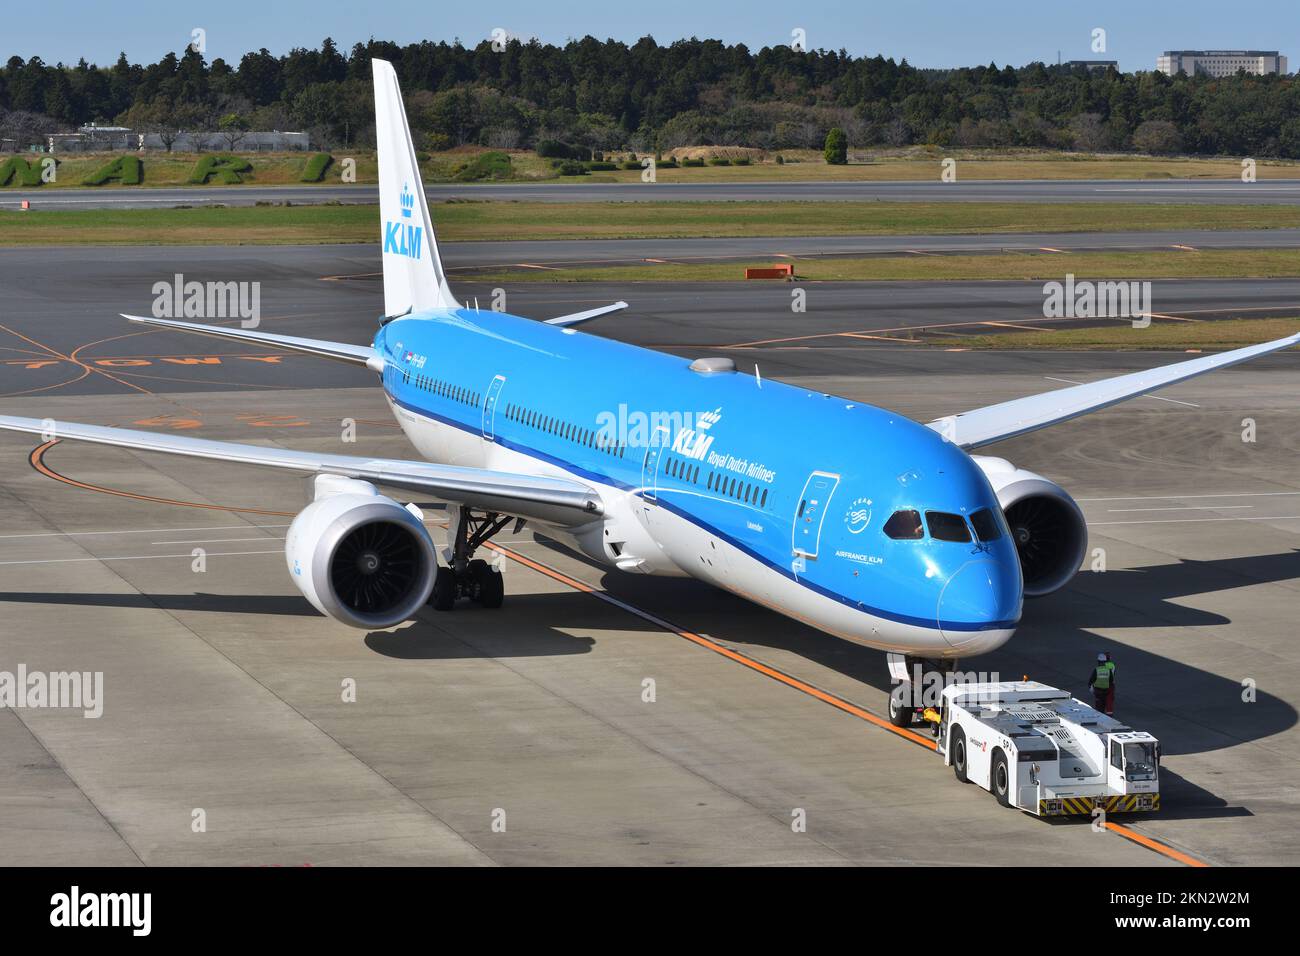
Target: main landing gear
470, 577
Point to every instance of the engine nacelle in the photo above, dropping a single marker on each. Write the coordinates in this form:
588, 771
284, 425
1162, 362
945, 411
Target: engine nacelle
359, 557
1047, 525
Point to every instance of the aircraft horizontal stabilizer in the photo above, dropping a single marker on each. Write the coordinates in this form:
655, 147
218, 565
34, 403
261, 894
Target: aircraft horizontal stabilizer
577, 318
339, 351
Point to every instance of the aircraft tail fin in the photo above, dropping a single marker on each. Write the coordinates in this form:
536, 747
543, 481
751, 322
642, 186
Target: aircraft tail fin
414, 280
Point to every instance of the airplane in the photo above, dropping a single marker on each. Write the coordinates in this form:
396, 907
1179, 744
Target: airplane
845, 516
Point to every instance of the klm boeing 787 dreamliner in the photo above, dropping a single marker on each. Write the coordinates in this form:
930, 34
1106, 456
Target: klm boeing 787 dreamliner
848, 517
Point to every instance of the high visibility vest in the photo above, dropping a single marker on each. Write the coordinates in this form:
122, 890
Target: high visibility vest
1101, 679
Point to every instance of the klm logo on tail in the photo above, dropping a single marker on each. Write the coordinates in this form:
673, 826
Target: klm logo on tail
404, 238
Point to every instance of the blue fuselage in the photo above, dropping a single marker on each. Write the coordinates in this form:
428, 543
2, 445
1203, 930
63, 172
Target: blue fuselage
801, 483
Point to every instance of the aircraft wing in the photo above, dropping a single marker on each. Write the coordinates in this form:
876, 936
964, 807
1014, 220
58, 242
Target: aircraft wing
556, 501
983, 426
340, 351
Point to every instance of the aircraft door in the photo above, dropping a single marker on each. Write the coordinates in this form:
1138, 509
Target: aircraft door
809, 515
650, 464
490, 407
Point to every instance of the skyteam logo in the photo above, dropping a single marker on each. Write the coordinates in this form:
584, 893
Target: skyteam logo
404, 238
858, 515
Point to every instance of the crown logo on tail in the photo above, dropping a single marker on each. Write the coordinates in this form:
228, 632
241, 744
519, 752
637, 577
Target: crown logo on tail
408, 200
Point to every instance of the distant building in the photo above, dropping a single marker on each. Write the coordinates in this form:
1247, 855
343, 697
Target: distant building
251, 142
1094, 64
1220, 62
100, 138
106, 137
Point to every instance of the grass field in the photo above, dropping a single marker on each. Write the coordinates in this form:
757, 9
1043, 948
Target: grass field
1217, 335
466, 221
971, 165
1249, 263
909, 164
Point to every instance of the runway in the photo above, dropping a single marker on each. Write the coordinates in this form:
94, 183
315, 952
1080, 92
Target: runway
521, 736
61, 334
1164, 191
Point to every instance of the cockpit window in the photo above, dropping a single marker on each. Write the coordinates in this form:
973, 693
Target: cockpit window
946, 527
904, 525
986, 525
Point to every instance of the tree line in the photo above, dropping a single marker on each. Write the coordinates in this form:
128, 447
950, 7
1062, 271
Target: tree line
609, 95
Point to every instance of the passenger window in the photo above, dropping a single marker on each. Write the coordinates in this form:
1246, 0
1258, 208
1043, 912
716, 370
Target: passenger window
947, 527
985, 525
904, 526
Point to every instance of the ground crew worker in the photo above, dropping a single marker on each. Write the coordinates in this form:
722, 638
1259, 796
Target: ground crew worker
1110, 695
1102, 682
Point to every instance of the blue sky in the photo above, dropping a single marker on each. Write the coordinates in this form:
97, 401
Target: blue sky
935, 33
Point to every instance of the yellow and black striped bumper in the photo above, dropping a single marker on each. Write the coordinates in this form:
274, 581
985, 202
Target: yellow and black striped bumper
1118, 803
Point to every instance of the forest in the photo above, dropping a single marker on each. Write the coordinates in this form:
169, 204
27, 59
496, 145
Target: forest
607, 95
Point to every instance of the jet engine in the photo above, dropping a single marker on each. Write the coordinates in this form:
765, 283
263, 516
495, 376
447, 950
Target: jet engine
1047, 526
359, 557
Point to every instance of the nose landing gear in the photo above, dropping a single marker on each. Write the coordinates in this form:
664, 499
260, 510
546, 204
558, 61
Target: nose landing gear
909, 700
470, 577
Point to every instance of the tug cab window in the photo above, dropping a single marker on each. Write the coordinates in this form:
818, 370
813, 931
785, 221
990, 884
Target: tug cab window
947, 527
1140, 760
904, 526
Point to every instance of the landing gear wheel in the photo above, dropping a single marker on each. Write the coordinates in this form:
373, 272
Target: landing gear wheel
443, 596
1001, 778
899, 715
957, 754
486, 584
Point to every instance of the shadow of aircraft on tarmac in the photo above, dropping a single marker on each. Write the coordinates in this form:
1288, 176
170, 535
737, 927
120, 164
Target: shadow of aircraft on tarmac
1189, 709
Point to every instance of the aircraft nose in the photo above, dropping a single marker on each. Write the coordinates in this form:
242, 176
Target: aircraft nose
979, 606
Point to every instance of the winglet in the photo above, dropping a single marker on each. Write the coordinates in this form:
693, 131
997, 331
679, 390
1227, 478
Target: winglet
414, 279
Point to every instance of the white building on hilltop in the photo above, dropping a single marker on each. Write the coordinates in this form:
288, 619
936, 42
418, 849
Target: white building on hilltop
1220, 62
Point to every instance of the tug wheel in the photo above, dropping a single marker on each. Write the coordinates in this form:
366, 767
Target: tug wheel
1000, 778
957, 754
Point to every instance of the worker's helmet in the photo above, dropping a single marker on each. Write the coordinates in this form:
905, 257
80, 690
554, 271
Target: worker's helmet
1101, 657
